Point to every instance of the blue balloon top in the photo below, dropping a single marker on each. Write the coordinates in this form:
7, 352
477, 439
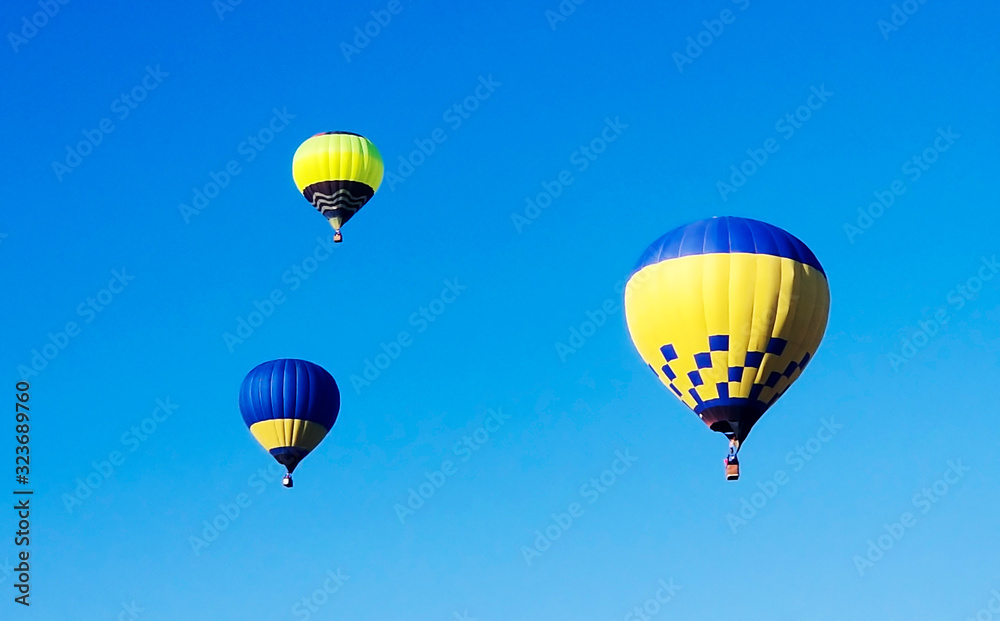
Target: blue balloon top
289, 388
725, 234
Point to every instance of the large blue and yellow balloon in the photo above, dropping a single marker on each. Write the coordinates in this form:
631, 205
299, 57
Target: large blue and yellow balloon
289, 406
727, 312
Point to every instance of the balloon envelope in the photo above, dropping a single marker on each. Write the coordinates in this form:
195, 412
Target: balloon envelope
727, 312
338, 172
289, 406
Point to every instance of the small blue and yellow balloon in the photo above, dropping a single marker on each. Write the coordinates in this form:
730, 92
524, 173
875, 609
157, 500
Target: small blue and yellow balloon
727, 312
289, 406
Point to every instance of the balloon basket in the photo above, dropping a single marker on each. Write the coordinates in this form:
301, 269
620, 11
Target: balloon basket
732, 470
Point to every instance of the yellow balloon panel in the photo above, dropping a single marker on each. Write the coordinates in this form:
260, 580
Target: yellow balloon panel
279, 433
337, 157
723, 328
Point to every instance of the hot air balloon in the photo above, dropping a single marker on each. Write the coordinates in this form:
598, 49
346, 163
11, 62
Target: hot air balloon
338, 172
727, 312
289, 406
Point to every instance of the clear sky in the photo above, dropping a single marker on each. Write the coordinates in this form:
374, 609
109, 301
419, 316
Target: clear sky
172, 93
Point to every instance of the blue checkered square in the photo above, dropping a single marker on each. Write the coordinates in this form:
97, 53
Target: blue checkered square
735, 374
668, 352
703, 360
669, 372
719, 342
776, 346
695, 377
754, 358
772, 380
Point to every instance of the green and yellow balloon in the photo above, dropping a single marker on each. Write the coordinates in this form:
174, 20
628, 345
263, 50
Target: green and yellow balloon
727, 312
338, 172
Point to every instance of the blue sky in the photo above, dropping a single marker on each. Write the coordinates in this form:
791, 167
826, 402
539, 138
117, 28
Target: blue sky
211, 78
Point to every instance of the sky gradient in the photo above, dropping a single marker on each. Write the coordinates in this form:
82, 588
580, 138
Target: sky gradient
531, 157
